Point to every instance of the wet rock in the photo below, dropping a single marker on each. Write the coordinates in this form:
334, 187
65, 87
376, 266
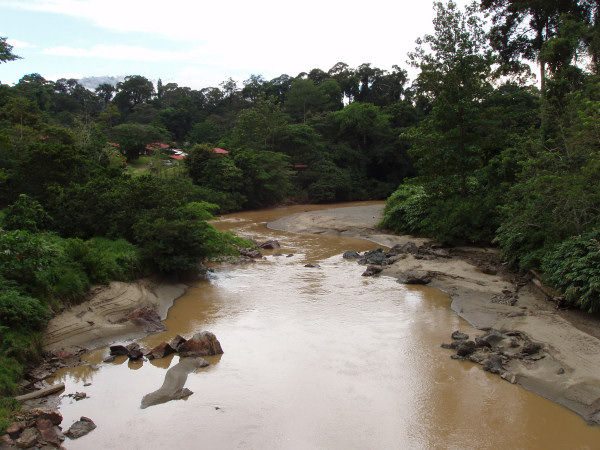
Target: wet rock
373, 257
15, 429
492, 338
465, 349
161, 350
119, 350
28, 438
250, 253
53, 416
313, 265
147, 319
6, 442
453, 345
531, 348
372, 270
457, 335
80, 428
177, 341
270, 245
109, 359
414, 277
493, 364
48, 432
201, 344
351, 254
134, 351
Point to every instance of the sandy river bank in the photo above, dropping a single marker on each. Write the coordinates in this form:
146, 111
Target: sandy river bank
569, 373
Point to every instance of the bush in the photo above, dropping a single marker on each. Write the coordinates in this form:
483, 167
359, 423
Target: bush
405, 209
574, 267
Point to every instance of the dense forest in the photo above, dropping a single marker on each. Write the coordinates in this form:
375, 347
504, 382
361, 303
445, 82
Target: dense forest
119, 181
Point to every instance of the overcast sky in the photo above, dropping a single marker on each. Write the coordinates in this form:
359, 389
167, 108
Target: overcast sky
199, 43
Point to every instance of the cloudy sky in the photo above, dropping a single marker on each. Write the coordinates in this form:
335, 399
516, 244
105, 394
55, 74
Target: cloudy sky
200, 43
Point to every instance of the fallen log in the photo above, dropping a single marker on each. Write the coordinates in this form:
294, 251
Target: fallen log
42, 392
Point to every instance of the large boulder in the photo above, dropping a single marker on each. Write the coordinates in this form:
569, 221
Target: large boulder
351, 254
49, 432
201, 344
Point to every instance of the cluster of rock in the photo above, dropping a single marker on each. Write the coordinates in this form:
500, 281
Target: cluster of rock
41, 429
377, 259
494, 350
204, 343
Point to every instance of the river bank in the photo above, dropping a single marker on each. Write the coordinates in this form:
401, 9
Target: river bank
489, 296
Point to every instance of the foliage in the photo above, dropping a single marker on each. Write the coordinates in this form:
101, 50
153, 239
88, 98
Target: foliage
25, 214
574, 267
405, 209
6, 53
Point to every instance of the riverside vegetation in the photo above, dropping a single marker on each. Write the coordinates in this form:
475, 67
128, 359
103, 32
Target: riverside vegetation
472, 150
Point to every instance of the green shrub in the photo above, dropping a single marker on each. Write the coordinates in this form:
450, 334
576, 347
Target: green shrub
405, 209
574, 267
25, 214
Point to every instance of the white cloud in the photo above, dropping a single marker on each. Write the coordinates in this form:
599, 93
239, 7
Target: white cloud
19, 44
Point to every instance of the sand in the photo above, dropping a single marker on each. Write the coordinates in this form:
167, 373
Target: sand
569, 373
95, 322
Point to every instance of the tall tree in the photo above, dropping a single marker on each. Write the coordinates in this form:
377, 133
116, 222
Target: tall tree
454, 75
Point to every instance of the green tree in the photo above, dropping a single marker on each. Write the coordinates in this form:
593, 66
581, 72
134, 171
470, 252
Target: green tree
6, 53
133, 138
133, 90
455, 76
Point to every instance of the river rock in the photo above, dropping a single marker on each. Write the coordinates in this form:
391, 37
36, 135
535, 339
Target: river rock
465, 349
491, 339
177, 341
80, 428
118, 350
270, 245
147, 319
250, 253
457, 335
372, 270
312, 265
134, 351
376, 256
201, 344
28, 438
48, 432
351, 254
531, 348
414, 277
493, 364
161, 350
15, 429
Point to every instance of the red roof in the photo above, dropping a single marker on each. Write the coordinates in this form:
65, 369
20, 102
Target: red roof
220, 150
156, 146
176, 156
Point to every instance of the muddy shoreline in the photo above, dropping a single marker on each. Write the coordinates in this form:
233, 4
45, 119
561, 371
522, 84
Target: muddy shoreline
489, 296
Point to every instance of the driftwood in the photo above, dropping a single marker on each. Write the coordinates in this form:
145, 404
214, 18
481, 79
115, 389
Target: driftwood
42, 392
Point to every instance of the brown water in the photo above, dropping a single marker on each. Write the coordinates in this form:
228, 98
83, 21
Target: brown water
315, 358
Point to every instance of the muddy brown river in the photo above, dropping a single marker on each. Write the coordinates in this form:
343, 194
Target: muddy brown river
315, 358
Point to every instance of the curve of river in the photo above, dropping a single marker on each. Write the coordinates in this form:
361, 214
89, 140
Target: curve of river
314, 358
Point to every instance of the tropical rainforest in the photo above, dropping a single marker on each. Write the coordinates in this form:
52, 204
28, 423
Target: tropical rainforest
474, 149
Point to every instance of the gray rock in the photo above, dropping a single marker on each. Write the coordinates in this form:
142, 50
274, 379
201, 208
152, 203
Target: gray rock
457, 335
351, 254
80, 428
372, 270
531, 348
377, 257
312, 265
399, 249
493, 364
28, 438
270, 245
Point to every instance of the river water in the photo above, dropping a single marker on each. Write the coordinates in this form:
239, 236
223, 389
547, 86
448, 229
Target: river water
315, 358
